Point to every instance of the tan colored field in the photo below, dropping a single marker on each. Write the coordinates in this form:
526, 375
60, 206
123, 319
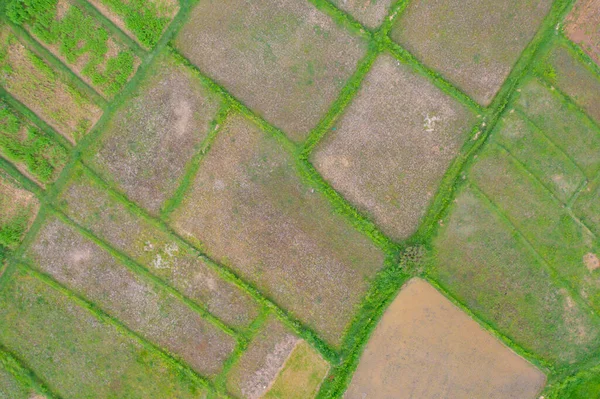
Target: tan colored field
250, 210
146, 145
426, 347
301, 375
284, 59
368, 12
143, 306
90, 205
260, 364
48, 94
583, 26
492, 36
394, 143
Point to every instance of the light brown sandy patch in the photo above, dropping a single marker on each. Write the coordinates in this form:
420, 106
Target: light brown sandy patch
393, 145
591, 261
583, 26
426, 347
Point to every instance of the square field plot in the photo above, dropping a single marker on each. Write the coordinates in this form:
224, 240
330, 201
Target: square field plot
145, 21
28, 148
149, 141
79, 355
489, 266
45, 91
473, 43
250, 210
18, 208
284, 58
80, 40
95, 208
277, 365
583, 27
425, 347
368, 12
144, 306
393, 145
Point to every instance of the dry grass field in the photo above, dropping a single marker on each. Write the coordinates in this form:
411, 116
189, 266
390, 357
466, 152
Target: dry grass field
299, 199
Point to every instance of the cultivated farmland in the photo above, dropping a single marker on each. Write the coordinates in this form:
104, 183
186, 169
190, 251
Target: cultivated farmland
299, 199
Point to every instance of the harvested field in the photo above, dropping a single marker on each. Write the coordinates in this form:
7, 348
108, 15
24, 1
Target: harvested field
564, 125
301, 375
541, 219
80, 40
565, 70
538, 155
476, 246
583, 26
249, 209
393, 145
79, 355
32, 152
262, 361
492, 36
147, 145
371, 13
143, 306
284, 59
426, 347
144, 21
90, 205
18, 209
46, 92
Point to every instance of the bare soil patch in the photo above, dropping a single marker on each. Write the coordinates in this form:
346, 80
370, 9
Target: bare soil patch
370, 13
300, 376
90, 205
33, 82
75, 353
591, 261
473, 43
583, 26
147, 144
393, 145
141, 305
425, 347
262, 361
284, 59
250, 210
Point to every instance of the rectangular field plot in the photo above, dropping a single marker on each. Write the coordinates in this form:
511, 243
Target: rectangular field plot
473, 43
490, 268
425, 347
32, 151
545, 222
286, 59
250, 210
144, 20
277, 365
149, 140
78, 355
568, 73
143, 306
300, 376
18, 208
583, 26
45, 91
92, 206
563, 124
79, 40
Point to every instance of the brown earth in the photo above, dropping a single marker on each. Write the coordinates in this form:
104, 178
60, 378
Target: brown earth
393, 145
426, 347
368, 12
583, 27
249, 209
283, 58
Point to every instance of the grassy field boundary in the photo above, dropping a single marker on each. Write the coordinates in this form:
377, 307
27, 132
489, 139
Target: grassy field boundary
23, 374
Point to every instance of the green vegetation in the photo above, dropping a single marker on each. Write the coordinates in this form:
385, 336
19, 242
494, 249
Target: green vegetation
17, 209
25, 144
79, 39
